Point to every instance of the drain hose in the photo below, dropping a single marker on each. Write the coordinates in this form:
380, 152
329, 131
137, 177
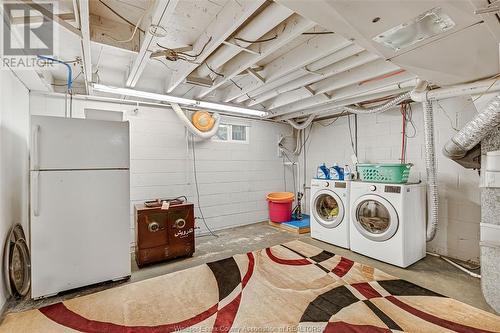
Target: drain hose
430, 166
191, 128
474, 131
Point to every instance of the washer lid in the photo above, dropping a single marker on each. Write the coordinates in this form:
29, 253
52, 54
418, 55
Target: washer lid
374, 217
327, 208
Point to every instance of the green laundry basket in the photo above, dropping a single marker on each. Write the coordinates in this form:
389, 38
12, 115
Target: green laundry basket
384, 173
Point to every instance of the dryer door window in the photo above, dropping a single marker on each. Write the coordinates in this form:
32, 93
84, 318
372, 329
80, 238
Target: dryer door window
328, 209
375, 218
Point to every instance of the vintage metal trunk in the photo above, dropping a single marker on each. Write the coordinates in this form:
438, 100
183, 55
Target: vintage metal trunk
163, 234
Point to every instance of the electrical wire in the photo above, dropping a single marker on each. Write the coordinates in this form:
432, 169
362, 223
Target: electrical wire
350, 135
175, 54
276, 35
447, 116
164, 64
117, 14
319, 33
213, 71
409, 120
135, 28
333, 121
256, 41
197, 188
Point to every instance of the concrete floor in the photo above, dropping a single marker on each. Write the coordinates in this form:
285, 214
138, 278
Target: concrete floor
432, 272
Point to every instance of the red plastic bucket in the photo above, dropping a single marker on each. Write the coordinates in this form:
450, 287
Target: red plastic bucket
280, 206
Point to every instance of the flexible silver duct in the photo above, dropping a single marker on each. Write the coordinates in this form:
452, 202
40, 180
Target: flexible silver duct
474, 131
431, 168
378, 109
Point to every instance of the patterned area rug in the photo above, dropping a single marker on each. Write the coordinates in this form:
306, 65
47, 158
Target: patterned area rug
287, 288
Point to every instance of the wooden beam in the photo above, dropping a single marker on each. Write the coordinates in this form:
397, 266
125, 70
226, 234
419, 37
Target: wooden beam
161, 16
291, 28
83, 13
371, 70
39, 19
311, 50
105, 31
256, 75
345, 60
50, 16
231, 16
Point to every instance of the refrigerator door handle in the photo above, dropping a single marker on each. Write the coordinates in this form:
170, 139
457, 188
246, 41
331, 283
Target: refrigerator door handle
36, 193
36, 147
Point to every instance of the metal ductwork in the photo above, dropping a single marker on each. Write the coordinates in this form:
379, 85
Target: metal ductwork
378, 109
474, 131
431, 171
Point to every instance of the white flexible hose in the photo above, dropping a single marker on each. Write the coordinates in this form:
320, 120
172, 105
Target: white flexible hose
302, 125
191, 128
430, 166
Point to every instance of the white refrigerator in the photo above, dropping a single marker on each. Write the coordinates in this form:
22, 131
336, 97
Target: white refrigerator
80, 203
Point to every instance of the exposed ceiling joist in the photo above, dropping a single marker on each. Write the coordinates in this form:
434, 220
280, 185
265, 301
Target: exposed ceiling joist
161, 16
256, 75
222, 26
350, 90
50, 16
39, 19
267, 20
402, 81
114, 34
364, 72
335, 106
291, 28
82, 11
304, 54
315, 75
367, 71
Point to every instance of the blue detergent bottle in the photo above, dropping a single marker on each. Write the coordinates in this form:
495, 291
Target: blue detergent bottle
337, 172
323, 172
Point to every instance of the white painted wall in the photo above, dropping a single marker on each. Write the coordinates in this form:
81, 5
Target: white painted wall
233, 177
14, 117
379, 139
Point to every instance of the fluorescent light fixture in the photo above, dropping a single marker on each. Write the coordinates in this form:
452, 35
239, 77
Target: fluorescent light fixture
429, 24
178, 100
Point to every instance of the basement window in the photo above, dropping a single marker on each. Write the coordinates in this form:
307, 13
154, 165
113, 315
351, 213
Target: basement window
232, 133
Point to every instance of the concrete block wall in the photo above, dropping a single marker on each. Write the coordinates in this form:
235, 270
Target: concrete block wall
14, 169
233, 178
379, 140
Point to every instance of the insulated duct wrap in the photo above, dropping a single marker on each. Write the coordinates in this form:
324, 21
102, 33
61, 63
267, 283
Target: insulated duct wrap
378, 109
474, 131
430, 165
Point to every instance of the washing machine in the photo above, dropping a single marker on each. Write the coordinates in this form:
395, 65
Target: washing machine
388, 222
330, 211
